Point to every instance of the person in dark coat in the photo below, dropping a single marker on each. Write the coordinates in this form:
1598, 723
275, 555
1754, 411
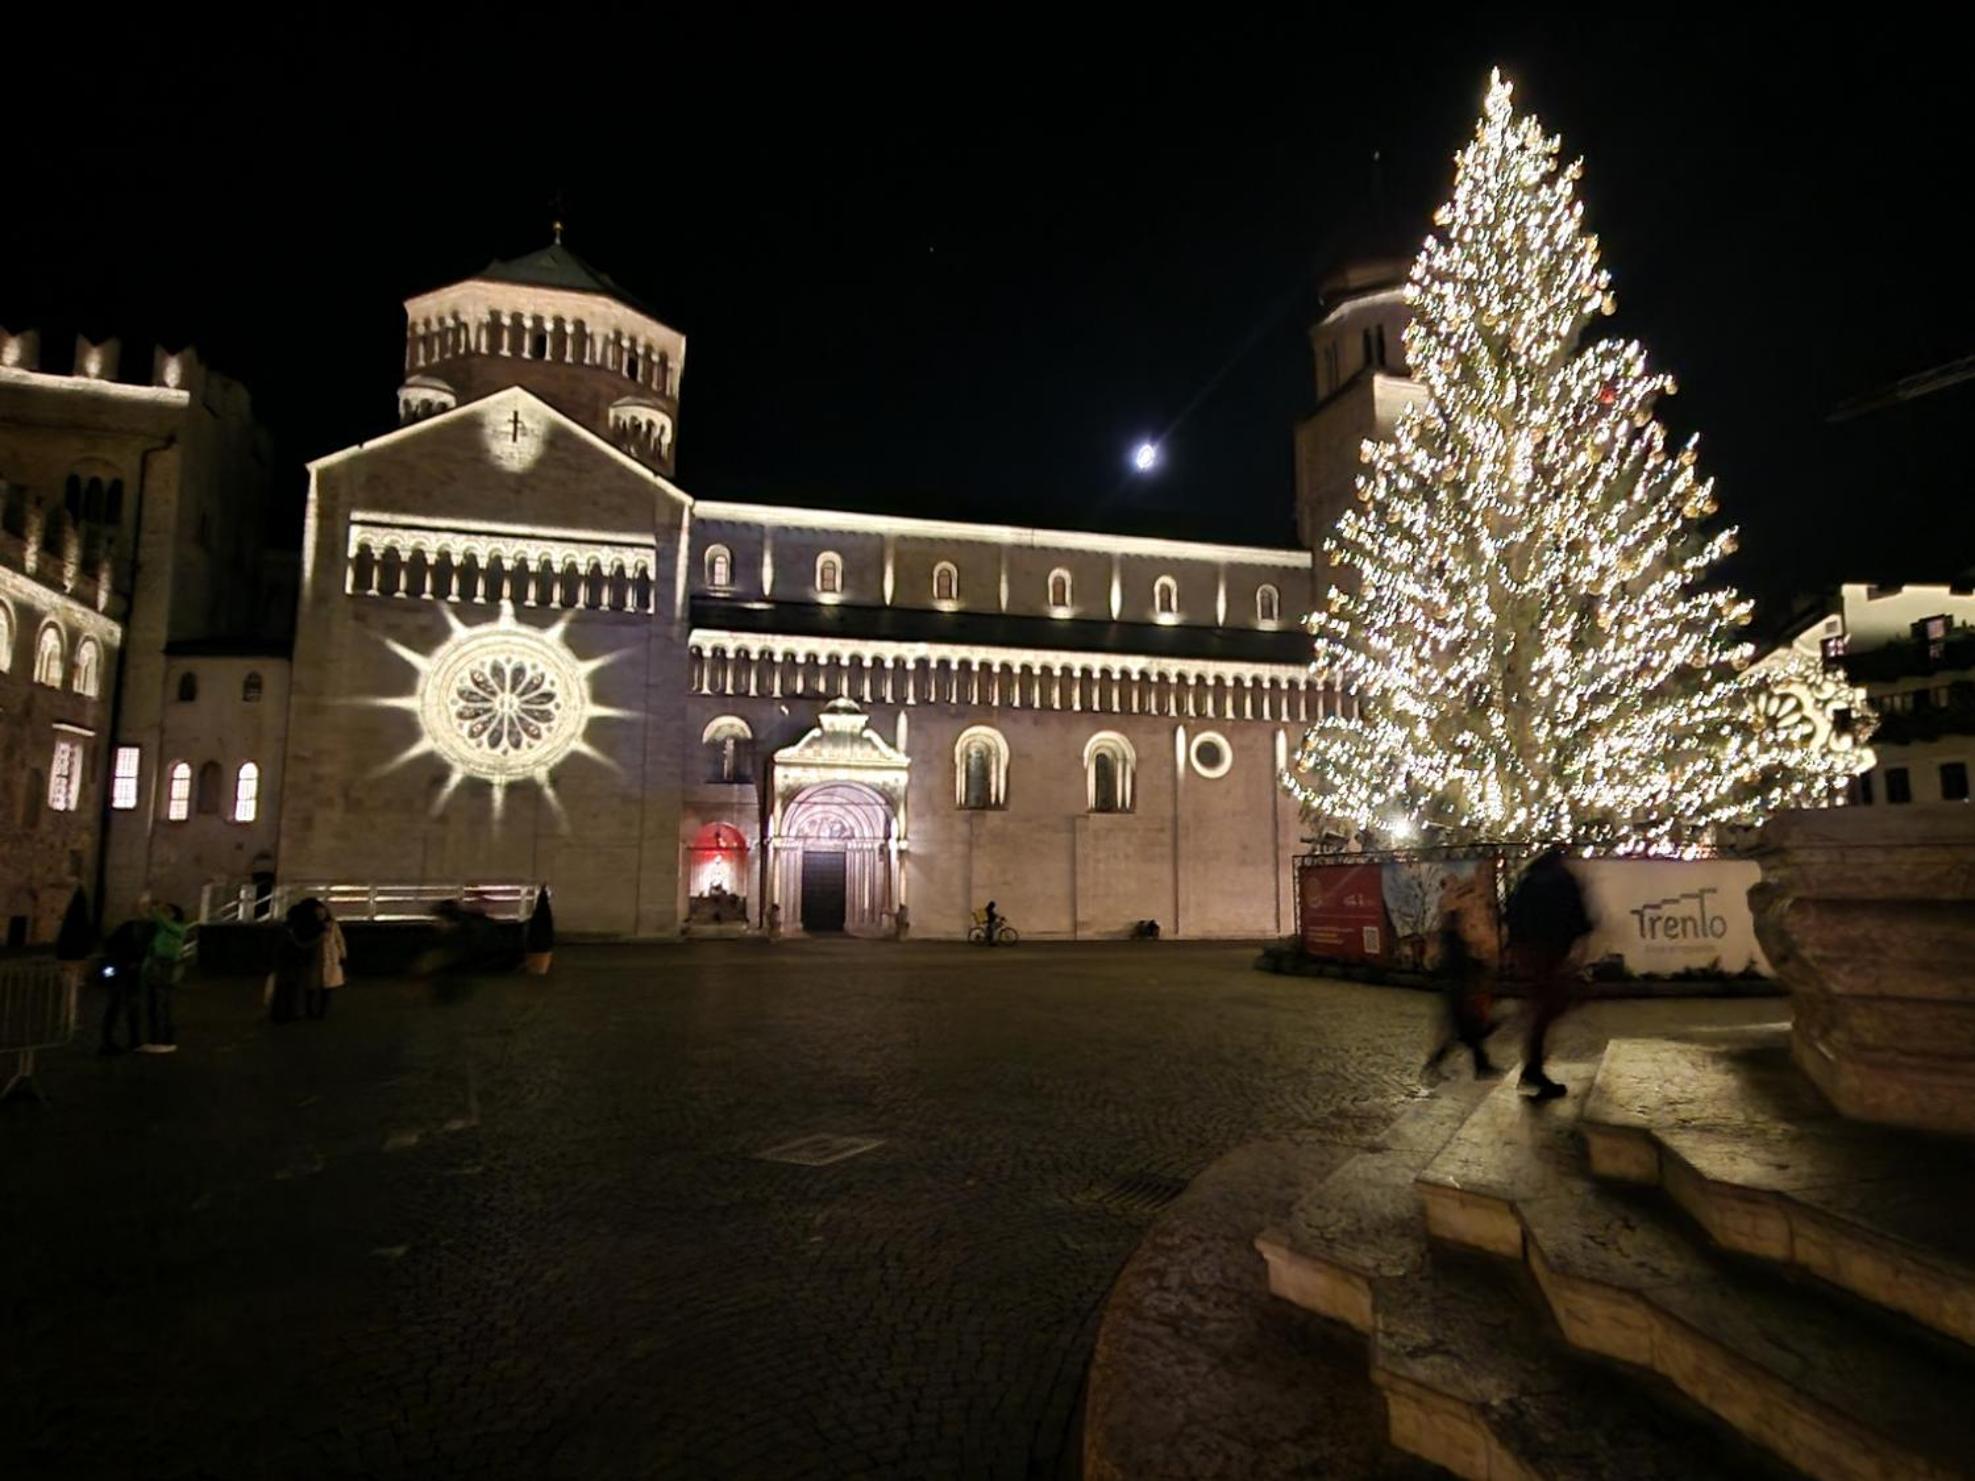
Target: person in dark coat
76, 939
1546, 919
123, 974
297, 961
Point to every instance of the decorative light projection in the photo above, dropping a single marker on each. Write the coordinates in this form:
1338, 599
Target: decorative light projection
502, 702
1534, 653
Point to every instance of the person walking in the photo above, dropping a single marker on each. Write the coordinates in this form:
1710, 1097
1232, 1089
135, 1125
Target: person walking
334, 956
1546, 919
297, 962
162, 968
1466, 997
123, 975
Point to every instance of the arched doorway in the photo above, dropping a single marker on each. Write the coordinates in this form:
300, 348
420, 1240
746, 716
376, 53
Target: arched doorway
717, 877
835, 861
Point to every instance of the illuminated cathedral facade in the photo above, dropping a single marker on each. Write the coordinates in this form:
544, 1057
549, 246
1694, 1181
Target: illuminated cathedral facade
523, 651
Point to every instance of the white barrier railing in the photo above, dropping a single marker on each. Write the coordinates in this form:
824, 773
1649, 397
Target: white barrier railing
221, 901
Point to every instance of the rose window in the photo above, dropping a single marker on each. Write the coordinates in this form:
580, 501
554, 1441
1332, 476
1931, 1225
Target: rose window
504, 701
506, 705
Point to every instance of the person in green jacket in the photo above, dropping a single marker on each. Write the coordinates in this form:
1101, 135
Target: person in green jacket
162, 967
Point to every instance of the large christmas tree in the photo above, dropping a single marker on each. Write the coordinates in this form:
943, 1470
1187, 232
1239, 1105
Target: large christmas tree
1521, 614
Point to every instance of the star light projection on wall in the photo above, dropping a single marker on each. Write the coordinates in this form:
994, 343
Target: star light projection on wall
503, 703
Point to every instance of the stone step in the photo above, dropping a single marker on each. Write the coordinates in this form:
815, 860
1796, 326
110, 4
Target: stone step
1363, 1222
1478, 1381
1741, 1140
1832, 1390
1475, 1378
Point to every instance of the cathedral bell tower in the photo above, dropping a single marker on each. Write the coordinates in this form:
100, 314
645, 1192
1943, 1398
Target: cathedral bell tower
553, 324
1362, 386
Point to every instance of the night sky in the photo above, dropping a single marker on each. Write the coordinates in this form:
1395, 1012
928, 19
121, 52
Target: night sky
969, 292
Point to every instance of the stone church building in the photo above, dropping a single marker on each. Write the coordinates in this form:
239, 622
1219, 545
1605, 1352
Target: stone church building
523, 651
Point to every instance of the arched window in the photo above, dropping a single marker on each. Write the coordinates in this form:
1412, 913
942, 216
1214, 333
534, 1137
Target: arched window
246, 792
729, 747
6, 638
829, 574
1166, 597
48, 657
87, 680
946, 582
205, 797
113, 503
72, 496
250, 688
1110, 768
1059, 588
980, 768
1268, 605
719, 567
631, 365
178, 793
538, 346
188, 687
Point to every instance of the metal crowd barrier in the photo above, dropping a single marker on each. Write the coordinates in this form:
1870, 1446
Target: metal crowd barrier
37, 1011
366, 901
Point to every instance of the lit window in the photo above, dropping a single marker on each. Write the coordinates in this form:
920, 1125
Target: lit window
1166, 597
6, 639
1109, 767
1833, 649
246, 793
1268, 604
178, 794
123, 778
87, 680
829, 574
250, 689
946, 582
48, 662
1059, 588
719, 566
980, 768
65, 776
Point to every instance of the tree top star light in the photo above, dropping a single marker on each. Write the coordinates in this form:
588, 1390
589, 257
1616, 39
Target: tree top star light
1522, 618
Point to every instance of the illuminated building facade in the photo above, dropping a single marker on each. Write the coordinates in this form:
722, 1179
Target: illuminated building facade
524, 651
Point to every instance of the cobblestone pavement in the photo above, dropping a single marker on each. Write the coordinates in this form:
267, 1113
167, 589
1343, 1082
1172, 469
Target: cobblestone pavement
529, 1233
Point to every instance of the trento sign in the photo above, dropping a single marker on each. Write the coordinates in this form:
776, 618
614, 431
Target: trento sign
1669, 915
1685, 917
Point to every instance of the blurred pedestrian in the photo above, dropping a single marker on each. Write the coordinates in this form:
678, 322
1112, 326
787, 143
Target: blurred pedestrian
334, 957
76, 939
1464, 988
123, 976
297, 961
1546, 919
163, 965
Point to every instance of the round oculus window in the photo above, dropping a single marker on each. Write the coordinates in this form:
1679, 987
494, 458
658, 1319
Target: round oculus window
1211, 755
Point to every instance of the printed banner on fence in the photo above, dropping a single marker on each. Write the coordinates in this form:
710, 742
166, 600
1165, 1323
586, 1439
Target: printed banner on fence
1421, 895
1343, 912
1672, 915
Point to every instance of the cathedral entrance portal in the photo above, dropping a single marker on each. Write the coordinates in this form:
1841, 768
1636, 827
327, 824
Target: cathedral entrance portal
838, 828
822, 892
834, 859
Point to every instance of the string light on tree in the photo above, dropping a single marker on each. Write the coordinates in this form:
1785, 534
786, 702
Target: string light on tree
1524, 624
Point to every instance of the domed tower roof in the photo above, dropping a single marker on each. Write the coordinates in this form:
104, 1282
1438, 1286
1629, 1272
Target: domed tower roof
555, 266
566, 331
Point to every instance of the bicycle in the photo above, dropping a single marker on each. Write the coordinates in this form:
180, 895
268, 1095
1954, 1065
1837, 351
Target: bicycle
1004, 934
